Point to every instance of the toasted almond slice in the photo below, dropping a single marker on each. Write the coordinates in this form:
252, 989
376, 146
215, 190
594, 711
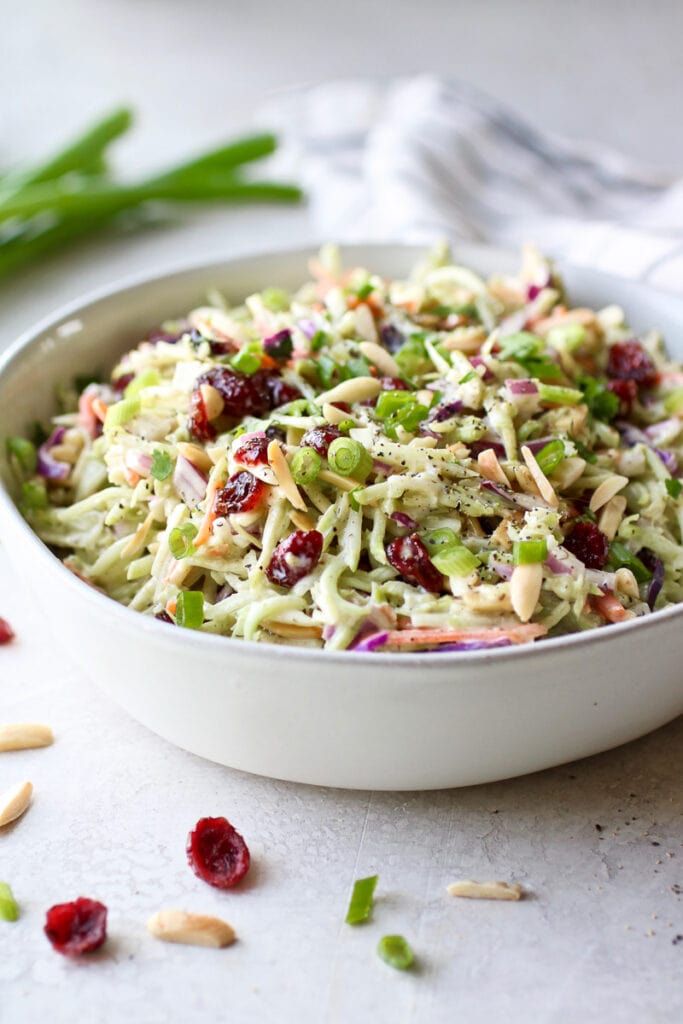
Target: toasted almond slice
626, 583
525, 589
365, 323
545, 487
138, 538
14, 801
611, 516
196, 455
489, 597
292, 631
485, 890
301, 519
213, 400
384, 362
191, 929
334, 415
568, 472
344, 483
25, 736
355, 390
607, 489
490, 467
279, 466
526, 481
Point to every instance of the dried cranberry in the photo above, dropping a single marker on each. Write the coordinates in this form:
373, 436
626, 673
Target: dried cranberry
242, 493
588, 543
217, 853
629, 361
279, 346
320, 439
122, 382
280, 391
626, 391
77, 927
243, 394
410, 558
198, 422
393, 384
6, 632
344, 406
252, 450
392, 338
295, 557
163, 616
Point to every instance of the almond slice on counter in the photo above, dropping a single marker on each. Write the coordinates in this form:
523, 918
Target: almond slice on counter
485, 890
25, 736
14, 801
191, 929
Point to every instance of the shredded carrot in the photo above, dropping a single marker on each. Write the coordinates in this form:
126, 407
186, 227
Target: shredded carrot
268, 363
609, 607
413, 637
204, 531
170, 607
131, 477
99, 408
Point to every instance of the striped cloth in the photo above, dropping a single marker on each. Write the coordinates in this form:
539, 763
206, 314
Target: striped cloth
418, 158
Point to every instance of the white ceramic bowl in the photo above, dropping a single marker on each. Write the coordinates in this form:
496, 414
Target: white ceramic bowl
376, 721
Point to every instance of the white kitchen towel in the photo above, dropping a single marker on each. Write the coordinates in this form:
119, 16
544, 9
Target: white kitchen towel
418, 158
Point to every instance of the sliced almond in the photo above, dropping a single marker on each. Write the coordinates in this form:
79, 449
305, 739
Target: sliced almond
607, 490
301, 520
344, 483
196, 455
490, 467
334, 415
14, 801
384, 362
355, 390
191, 929
485, 890
292, 631
611, 516
213, 401
525, 481
545, 487
25, 736
525, 589
279, 466
626, 583
489, 597
137, 539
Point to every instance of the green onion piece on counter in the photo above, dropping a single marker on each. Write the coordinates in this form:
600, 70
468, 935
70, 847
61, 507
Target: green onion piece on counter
389, 402
162, 464
349, 458
180, 540
673, 487
559, 396
361, 900
9, 910
673, 402
189, 610
305, 466
621, 558
569, 337
122, 412
246, 362
147, 379
550, 456
436, 540
527, 552
34, 494
396, 952
455, 561
24, 452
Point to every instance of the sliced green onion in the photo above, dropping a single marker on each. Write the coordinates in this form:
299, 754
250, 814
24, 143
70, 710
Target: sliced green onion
318, 340
352, 498
621, 558
189, 610
558, 395
162, 464
180, 540
550, 456
358, 367
361, 900
455, 561
305, 466
396, 952
346, 425
435, 540
277, 300
389, 402
470, 375
147, 379
568, 337
528, 552
9, 910
327, 368
246, 362
122, 412
24, 452
522, 345
409, 417
412, 356
349, 458
674, 487
674, 401
365, 290
34, 494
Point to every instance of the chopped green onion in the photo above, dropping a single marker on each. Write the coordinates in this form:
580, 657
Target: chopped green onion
470, 375
396, 952
305, 466
318, 340
673, 403
349, 458
410, 417
34, 494
365, 291
361, 900
24, 452
246, 362
327, 368
602, 403
122, 412
568, 337
189, 611
559, 395
435, 540
621, 558
412, 357
352, 499
277, 300
674, 487
358, 367
550, 456
162, 464
528, 552
584, 452
389, 402
455, 561
147, 379
180, 540
9, 910
346, 425
520, 346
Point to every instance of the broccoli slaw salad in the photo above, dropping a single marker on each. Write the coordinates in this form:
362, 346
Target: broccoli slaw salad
441, 463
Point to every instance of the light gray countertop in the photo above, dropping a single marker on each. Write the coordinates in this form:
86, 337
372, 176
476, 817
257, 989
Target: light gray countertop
598, 845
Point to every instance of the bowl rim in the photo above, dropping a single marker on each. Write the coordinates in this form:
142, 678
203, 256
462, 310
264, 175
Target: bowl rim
255, 649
